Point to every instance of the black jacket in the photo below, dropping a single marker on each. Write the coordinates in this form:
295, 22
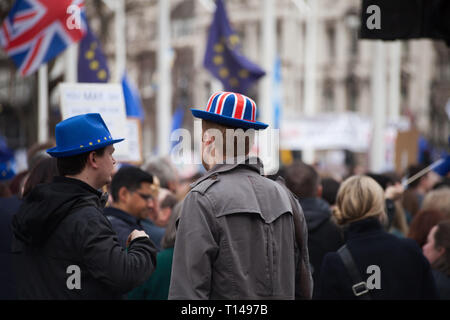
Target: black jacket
323, 234
122, 223
62, 224
443, 284
8, 207
404, 272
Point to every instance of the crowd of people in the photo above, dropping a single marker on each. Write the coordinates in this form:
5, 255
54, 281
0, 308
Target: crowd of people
231, 233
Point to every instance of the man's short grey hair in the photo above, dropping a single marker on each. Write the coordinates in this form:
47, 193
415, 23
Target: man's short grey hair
163, 169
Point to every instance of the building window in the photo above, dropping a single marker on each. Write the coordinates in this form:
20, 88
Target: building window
352, 20
331, 38
182, 28
328, 96
353, 34
352, 93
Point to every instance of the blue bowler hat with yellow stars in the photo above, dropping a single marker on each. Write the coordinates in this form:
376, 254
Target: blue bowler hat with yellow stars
81, 134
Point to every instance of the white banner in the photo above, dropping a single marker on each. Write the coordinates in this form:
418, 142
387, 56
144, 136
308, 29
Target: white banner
349, 131
134, 141
106, 99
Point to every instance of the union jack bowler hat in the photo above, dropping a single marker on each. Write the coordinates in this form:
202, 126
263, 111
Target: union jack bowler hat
81, 134
231, 109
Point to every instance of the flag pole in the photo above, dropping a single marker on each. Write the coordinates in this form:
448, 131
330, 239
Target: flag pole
71, 63
268, 155
43, 103
164, 101
378, 149
394, 80
120, 45
422, 172
309, 98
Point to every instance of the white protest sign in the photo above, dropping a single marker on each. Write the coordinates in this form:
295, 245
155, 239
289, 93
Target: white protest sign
134, 141
326, 131
106, 99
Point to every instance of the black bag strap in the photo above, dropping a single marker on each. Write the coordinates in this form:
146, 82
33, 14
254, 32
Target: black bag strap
359, 287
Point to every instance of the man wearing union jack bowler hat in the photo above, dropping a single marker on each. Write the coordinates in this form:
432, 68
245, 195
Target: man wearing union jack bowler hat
236, 236
64, 247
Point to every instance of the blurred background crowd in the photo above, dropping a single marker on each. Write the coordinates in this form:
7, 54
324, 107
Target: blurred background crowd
411, 212
388, 104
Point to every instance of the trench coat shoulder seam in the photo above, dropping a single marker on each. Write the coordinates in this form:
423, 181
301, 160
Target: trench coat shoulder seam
204, 185
209, 203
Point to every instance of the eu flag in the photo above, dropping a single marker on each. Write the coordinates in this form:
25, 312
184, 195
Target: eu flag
223, 57
92, 65
132, 99
277, 96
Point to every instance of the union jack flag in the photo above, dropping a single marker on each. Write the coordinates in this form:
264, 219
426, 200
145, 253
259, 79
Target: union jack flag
36, 31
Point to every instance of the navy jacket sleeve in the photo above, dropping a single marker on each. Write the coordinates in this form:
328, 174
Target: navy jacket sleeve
122, 230
107, 261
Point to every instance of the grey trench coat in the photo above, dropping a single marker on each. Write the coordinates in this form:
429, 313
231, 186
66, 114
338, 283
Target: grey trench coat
236, 239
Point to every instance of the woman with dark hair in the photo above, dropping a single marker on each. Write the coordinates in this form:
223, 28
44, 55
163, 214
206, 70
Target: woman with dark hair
43, 172
422, 223
437, 251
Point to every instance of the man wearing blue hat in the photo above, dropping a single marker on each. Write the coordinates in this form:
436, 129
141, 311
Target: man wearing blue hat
9, 205
64, 247
236, 236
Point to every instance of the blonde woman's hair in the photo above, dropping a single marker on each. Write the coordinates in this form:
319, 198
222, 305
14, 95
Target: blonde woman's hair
439, 200
359, 197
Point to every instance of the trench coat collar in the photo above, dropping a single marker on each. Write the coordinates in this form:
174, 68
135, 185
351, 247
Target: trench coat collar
251, 163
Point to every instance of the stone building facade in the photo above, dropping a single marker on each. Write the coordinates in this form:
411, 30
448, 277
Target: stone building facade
344, 63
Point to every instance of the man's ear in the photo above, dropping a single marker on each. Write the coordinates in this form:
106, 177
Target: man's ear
208, 139
123, 194
319, 191
92, 159
441, 251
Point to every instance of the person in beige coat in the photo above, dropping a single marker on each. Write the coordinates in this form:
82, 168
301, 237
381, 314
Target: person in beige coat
236, 236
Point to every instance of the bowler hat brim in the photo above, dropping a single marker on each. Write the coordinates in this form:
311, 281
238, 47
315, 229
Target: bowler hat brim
58, 152
232, 122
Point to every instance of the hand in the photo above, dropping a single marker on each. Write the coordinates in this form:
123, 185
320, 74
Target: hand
135, 234
394, 192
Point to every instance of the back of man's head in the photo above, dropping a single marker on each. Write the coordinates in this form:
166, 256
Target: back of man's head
330, 188
383, 180
74, 165
302, 179
129, 177
235, 142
